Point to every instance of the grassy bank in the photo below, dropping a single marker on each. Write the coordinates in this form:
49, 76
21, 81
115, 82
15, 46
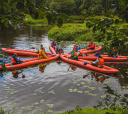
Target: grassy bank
100, 111
78, 110
70, 32
39, 22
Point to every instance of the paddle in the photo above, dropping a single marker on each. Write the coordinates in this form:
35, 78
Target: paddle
85, 63
96, 51
68, 68
114, 57
97, 54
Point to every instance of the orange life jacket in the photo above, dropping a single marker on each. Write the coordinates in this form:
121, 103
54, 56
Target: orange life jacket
13, 60
75, 53
40, 52
60, 51
81, 53
53, 43
115, 50
101, 63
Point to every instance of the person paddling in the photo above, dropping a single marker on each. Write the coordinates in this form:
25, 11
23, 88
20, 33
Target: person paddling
59, 50
53, 43
99, 62
91, 45
41, 46
74, 55
42, 54
15, 60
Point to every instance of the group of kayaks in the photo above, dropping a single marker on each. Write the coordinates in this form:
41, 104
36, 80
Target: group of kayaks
82, 60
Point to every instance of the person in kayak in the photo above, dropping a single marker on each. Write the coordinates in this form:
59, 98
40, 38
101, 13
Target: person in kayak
113, 53
42, 54
75, 47
74, 55
15, 60
99, 62
80, 53
59, 50
41, 46
91, 45
53, 43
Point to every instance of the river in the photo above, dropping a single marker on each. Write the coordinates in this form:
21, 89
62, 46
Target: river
56, 87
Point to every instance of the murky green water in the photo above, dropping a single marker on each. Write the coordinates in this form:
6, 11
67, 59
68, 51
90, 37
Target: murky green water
53, 87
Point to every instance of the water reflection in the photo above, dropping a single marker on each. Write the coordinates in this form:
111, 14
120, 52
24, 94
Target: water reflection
42, 67
16, 74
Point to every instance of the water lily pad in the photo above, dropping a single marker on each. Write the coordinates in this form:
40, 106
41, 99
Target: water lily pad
103, 96
100, 88
36, 103
94, 94
41, 101
92, 88
78, 84
80, 91
82, 83
50, 111
70, 90
50, 105
34, 111
52, 91
86, 91
109, 81
34, 93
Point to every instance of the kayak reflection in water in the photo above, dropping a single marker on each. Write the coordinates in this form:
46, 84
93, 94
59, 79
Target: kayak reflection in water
98, 77
16, 73
72, 67
42, 67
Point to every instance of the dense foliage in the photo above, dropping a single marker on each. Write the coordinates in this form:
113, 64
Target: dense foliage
11, 11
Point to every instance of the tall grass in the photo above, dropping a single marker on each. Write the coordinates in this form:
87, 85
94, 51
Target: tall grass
69, 32
40, 22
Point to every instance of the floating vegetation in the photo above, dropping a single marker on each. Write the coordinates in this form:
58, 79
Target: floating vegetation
108, 81
41, 91
34, 93
52, 91
42, 101
50, 105
36, 103
50, 111
80, 91
82, 83
100, 88
8, 89
92, 88
34, 111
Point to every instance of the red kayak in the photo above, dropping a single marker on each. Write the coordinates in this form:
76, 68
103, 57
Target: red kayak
30, 62
52, 49
22, 52
91, 51
87, 64
105, 57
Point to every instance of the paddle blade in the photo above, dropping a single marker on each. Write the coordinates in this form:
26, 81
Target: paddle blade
114, 57
85, 63
82, 47
53, 54
96, 51
97, 54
